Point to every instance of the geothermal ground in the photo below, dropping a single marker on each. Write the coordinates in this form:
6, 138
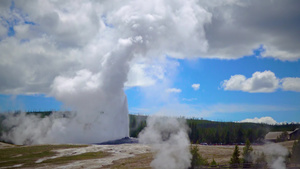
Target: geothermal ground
97, 156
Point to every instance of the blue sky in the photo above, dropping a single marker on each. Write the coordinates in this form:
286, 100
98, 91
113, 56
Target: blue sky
209, 73
244, 57
282, 106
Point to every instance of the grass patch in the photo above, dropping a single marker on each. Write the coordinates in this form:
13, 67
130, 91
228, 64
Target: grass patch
83, 156
141, 161
27, 155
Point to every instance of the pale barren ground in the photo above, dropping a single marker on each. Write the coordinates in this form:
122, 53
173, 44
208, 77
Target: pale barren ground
5, 145
113, 154
124, 156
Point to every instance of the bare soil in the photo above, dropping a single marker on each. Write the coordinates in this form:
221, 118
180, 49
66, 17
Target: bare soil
221, 154
125, 156
5, 145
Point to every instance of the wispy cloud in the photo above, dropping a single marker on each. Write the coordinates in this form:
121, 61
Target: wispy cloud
173, 90
242, 108
196, 86
189, 99
211, 111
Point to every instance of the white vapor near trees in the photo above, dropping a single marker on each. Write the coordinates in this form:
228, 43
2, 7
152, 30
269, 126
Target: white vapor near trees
169, 140
276, 155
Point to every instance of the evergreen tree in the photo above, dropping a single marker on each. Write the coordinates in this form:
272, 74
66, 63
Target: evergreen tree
251, 135
213, 163
247, 159
217, 137
228, 138
283, 137
296, 152
261, 134
240, 135
247, 152
197, 159
235, 159
261, 161
132, 120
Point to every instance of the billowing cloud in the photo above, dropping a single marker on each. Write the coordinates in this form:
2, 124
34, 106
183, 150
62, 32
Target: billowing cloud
238, 27
45, 47
196, 86
266, 120
138, 77
173, 90
85, 53
291, 84
142, 74
260, 82
82, 54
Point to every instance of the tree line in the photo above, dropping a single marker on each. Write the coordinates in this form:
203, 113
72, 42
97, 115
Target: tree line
225, 132
201, 131
211, 132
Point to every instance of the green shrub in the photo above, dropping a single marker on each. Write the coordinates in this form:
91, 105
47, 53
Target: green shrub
197, 159
213, 163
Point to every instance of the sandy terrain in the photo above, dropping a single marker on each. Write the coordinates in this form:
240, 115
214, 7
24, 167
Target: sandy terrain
5, 145
221, 154
117, 152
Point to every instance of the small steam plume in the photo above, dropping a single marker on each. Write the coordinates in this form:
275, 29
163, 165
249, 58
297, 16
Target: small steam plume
275, 155
29, 129
169, 140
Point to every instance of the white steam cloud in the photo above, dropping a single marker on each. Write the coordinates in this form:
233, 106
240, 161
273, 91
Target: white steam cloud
276, 155
87, 67
169, 140
83, 53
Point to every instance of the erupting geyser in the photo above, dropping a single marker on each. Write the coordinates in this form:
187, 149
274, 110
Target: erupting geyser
83, 54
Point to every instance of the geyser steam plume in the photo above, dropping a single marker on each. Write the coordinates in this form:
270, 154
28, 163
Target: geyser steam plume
94, 58
276, 155
169, 140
